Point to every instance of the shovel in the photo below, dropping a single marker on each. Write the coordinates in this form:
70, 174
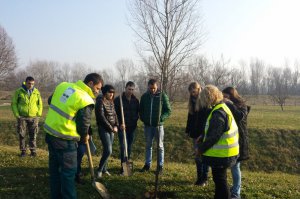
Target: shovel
97, 185
127, 165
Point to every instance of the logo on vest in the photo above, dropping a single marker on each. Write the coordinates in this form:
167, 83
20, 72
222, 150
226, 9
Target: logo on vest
65, 96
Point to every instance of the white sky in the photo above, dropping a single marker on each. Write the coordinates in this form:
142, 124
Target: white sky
94, 32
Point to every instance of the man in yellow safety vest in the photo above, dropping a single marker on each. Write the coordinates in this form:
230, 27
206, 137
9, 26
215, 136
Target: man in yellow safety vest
67, 122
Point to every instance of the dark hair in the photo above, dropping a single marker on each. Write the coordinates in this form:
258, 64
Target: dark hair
234, 96
130, 83
107, 88
152, 81
29, 78
94, 77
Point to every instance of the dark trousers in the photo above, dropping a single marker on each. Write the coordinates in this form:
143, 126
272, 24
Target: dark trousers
62, 167
80, 153
29, 125
107, 139
220, 180
202, 169
129, 138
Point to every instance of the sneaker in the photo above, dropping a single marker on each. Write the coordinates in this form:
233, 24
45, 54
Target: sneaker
106, 173
201, 182
33, 154
23, 154
145, 168
99, 174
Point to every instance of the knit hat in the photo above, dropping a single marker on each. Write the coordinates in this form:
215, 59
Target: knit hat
107, 88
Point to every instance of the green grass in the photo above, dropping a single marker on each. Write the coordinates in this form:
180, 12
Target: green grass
271, 172
28, 178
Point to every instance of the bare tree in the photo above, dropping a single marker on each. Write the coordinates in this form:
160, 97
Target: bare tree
166, 30
8, 58
256, 75
220, 73
199, 70
125, 68
279, 84
44, 73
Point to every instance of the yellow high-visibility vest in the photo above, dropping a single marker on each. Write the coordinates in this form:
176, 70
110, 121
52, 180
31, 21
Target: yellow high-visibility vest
228, 144
67, 99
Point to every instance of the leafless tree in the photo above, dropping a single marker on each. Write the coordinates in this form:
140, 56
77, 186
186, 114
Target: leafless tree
199, 70
168, 31
125, 68
279, 85
8, 58
44, 73
220, 73
256, 75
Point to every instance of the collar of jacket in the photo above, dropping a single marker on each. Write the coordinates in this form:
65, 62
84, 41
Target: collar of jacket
25, 88
85, 87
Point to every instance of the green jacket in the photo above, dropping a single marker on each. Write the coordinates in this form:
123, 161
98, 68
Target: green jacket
23, 105
149, 109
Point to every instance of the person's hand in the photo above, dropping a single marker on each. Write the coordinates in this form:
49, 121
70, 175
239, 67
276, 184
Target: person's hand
86, 139
199, 139
115, 130
122, 127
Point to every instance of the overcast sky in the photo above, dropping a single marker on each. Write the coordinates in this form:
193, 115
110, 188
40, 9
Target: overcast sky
96, 33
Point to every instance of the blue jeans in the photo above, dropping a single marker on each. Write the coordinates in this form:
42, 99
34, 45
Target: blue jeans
150, 133
237, 180
202, 168
62, 167
80, 153
107, 139
129, 138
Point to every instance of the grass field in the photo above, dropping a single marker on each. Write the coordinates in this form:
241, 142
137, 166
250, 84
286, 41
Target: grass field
27, 178
272, 172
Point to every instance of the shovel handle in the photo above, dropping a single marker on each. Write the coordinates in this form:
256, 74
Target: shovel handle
90, 160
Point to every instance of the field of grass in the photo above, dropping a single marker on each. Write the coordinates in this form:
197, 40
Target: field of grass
272, 171
27, 178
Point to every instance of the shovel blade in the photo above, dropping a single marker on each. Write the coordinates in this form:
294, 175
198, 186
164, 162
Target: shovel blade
101, 190
127, 168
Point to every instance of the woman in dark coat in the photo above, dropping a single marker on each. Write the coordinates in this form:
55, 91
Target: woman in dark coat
195, 127
107, 122
220, 147
240, 112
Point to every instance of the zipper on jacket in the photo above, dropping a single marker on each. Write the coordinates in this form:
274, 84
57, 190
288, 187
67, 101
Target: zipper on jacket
151, 110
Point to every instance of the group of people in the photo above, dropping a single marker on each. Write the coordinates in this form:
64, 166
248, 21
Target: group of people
217, 122
68, 125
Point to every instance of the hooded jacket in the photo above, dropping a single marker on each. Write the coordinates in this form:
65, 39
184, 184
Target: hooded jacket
25, 105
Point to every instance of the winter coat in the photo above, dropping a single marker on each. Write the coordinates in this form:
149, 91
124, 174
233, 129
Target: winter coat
130, 109
195, 124
149, 105
218, 125
106, 116
240, 115
27, 106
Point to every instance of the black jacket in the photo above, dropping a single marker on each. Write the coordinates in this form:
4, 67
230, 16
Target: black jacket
106, 116
240, 115
218, 125
195, 124
131, 111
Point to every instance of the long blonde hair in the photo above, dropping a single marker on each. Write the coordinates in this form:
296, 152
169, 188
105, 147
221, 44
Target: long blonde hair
210, 96
192, 86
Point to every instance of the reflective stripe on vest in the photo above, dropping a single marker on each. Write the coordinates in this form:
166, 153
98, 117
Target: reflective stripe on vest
227, 145
65, 115
67, 99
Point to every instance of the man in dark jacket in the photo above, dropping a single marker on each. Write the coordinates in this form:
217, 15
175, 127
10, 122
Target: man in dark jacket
149, 114
131, 116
